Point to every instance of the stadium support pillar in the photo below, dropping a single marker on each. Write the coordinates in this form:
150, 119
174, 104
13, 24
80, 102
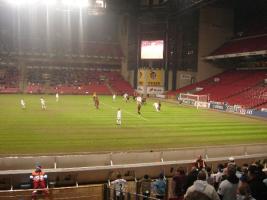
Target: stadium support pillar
174, 79
166, 59
135, 77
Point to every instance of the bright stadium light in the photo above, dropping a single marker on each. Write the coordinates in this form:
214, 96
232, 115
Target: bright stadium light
49, 2
75, 3
23, 2
15, 2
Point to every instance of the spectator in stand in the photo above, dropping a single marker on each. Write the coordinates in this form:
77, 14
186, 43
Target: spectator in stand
201, 189
239, 172
192, 177
255, 181
200, 163
218, 176
119, 187
145, 187
210, 178
243, 192
159, 187
231, 160
179, 183
38, 178
227, 188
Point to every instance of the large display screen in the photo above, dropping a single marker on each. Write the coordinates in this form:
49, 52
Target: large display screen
152, 49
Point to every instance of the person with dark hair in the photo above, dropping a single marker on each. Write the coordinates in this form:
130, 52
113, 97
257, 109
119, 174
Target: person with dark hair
255, 181
197, 196
201, 188
179, 183
38, 178
159, 187
119, 187
218, 176
210, 178
191, 177
145, 187
227, 188
200, 163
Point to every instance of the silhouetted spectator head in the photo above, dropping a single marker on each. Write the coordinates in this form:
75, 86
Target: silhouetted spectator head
180, 171
146, 176
208, 169
161, 176
231, 170
220, 167
202, 175
254, 172
38, 168
119, 176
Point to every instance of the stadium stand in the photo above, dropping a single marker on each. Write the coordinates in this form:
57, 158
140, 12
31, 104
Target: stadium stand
9, 80
76, 81
242, 45
240, 87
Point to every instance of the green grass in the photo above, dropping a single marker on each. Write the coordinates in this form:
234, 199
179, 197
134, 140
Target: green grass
74, 125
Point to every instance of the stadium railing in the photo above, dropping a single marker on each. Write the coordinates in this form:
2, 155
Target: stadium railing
72, 170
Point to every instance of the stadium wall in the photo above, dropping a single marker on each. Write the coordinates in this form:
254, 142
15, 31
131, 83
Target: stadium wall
70, 170
170, 79
123, 38
216, 26
185, 78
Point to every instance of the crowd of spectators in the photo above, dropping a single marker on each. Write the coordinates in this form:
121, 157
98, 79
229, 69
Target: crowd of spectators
9, 77
227, 182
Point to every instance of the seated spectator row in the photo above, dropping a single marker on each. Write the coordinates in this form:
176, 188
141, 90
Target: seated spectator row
227, 180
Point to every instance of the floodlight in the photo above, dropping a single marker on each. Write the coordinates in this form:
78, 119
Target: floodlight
15, 2
82, 3
21, 2
49, 2
75, 3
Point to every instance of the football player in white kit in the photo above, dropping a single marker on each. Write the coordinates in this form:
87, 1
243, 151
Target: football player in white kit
23, 104
43, 106
119, 116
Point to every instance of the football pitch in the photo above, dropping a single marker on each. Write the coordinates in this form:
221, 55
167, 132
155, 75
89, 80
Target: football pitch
73, 125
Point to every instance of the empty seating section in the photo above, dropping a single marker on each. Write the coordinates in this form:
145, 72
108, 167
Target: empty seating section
232, 83
76, 81
238, 87
9, 80
251, 98
242, 45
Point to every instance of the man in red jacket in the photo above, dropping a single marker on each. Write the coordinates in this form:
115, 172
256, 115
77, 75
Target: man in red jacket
39, 178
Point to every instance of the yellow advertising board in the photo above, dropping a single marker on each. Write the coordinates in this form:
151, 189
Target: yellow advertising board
150, 77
